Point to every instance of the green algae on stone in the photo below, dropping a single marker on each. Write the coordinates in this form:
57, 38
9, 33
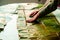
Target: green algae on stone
38, 6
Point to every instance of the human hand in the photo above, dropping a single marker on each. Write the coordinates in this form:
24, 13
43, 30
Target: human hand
34, 15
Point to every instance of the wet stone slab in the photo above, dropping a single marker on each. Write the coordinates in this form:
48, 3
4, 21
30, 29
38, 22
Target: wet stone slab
48, 28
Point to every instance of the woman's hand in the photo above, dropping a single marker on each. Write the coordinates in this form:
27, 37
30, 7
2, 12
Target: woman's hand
34, 15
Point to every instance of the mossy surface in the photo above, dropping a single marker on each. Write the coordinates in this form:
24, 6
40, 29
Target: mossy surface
51, 23
48, 28
37, 7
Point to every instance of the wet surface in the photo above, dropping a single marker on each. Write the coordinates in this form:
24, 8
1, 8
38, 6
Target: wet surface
48, 27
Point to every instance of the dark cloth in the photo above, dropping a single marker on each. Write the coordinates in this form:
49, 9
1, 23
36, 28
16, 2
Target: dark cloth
58, 2
49, 8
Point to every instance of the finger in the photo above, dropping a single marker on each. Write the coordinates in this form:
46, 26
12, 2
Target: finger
36, 16
33, 14
29, 21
